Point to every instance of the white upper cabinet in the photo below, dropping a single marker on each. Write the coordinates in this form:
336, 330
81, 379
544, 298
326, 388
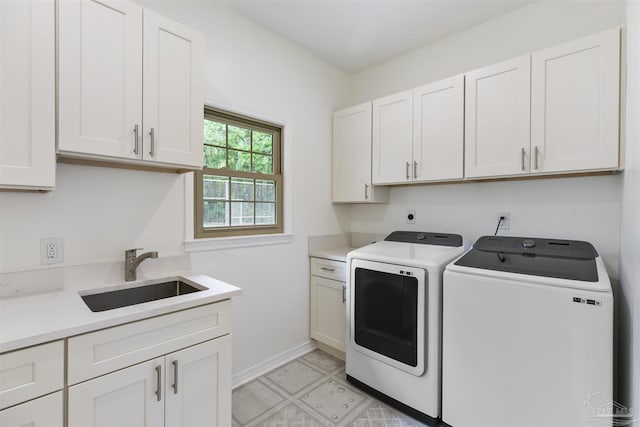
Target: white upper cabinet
552, 112
438, 135
27, 95
392, 138
352, 157
110, 72
575, 105
497, 119
418, 134
100, 77
172, 88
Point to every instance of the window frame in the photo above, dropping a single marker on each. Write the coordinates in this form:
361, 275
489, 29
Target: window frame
277, 131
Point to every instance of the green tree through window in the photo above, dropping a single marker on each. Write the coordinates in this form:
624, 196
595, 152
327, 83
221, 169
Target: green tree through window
239, 190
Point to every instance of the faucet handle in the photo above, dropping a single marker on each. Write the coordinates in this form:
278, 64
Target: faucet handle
132, 251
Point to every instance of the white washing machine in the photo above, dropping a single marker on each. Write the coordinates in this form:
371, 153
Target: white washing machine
394, 317
527, 335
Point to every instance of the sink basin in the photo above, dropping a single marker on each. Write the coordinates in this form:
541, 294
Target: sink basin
136, 295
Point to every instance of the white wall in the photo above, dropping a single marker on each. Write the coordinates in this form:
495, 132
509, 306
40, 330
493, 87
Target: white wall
628, 309
575, 208
100, 212
537, 26
572, 208
586, 208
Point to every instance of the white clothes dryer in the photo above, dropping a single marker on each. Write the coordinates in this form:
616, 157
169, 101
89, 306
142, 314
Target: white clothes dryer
394, 318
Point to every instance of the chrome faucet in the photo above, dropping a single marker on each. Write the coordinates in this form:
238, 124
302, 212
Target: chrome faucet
131, 262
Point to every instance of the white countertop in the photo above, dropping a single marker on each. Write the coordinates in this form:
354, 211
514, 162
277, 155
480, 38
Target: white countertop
336, 254
28, 320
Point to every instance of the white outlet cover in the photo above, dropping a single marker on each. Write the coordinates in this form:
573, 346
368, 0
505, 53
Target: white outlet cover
506, 222
59, 250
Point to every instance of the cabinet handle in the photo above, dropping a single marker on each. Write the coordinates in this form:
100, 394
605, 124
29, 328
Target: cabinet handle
330, 270
153, 143
366, 191
522, 156
344, 293
415, 169
175, 376
535, 158
408, 164
135, 139
159, 382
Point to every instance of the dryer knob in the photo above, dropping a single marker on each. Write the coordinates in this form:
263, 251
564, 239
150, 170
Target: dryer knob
528, 243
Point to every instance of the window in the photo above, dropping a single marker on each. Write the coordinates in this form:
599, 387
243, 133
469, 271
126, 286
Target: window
239, 190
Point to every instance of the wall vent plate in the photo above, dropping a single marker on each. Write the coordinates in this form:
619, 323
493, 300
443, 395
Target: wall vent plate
411, 216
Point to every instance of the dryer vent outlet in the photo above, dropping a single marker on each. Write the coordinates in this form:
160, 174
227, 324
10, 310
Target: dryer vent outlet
411, 216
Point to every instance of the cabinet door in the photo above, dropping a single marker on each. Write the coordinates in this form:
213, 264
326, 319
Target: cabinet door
198, 387
45, 411
132, 397
31, 372
100, 77
173, 92
27, 94
352, 157
497, 119
575, 91
392, 139
328, 312
438, 130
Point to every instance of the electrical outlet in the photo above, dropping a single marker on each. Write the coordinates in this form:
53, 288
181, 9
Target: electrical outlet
411, 216
51, 250
506, 222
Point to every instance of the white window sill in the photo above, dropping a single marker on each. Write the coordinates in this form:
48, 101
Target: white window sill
214, 244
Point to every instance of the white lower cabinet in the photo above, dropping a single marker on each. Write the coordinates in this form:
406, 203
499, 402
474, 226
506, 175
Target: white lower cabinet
190, 387
328, 323
45, 411
327, 311
198, 385
122, 398
171, 370
31, 383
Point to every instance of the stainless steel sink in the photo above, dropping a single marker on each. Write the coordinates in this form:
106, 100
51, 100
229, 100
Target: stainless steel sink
153, 291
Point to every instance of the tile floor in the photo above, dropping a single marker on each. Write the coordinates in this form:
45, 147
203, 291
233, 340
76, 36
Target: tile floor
311, 391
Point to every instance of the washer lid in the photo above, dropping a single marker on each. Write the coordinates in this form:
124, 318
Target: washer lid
563, 259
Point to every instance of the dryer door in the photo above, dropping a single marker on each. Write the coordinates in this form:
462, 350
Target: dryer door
387, 313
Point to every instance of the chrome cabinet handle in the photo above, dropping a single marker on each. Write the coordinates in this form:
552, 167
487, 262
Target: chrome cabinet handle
415, 169
535, 158
159, 382
153, 143
408, 164
366, 191
344, 292
523, 153
175, 376
330, 270
135, 139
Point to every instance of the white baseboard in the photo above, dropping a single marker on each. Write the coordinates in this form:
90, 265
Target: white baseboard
272, 363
